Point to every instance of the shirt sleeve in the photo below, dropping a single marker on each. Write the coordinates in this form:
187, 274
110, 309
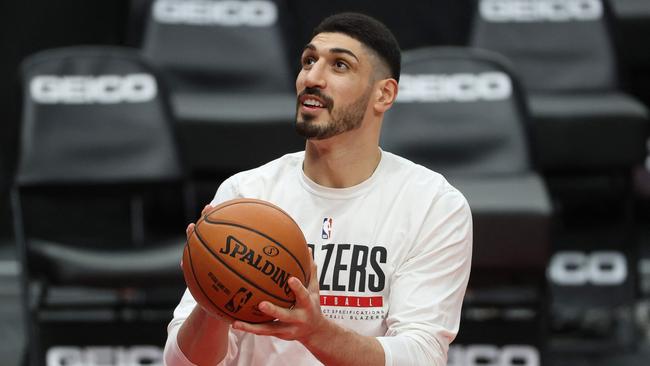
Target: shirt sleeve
173, 355
427, 290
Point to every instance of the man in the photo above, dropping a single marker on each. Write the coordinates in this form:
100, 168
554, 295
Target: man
391, 240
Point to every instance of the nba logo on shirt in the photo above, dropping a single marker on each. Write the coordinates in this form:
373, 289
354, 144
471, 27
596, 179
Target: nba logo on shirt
326, 232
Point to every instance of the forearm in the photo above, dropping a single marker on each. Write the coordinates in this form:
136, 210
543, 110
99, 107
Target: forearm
203, 339
335, 345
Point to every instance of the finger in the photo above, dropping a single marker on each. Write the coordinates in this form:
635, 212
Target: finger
189, 230
302, 294
206, 209
259, 329
313, 278
276, 312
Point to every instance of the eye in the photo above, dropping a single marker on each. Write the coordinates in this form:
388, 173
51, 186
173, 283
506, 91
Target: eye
341, 65
308, 61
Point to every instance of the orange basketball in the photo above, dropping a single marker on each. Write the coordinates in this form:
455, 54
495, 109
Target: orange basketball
241, 253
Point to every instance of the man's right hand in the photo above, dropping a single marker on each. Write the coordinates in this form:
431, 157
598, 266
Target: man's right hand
188, 232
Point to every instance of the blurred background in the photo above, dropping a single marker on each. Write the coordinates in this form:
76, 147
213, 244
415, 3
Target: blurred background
120, 119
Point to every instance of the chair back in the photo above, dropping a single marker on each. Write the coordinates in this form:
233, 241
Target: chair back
234, 46
98, 161
459, 111
553, 45
94, 115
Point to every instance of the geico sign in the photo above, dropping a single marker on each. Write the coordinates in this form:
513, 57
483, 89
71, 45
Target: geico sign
104, 356
540, 10
454, 87
105, 89
489, 355
226, 13
598, 268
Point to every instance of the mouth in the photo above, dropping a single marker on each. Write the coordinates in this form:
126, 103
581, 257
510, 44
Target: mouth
311, 102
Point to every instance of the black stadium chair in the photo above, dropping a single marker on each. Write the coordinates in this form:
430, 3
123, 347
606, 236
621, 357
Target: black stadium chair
460, 112
588, 136
564, 54
230, 80
98, 200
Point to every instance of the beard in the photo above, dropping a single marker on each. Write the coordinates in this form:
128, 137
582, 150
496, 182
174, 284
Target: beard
343, 119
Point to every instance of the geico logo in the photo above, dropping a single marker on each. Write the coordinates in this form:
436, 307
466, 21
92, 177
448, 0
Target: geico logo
604, 268
488, 86
225, 13
489, 355
105, 89
540, 10
104, 356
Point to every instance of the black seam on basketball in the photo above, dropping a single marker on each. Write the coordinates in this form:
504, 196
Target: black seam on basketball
257, 202
196, 280
304, 275
235, 272
238, 201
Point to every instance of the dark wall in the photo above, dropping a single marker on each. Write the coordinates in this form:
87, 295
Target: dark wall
414, 23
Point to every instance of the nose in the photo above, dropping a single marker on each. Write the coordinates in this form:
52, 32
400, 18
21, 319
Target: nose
315, 76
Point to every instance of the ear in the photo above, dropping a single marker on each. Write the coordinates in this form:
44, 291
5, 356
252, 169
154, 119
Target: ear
386, 93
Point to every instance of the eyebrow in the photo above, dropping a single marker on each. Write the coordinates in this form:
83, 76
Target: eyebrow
311, 47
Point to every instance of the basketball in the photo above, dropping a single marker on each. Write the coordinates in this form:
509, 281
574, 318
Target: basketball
243, 252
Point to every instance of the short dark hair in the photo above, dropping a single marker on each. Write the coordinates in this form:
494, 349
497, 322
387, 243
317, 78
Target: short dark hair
370, 32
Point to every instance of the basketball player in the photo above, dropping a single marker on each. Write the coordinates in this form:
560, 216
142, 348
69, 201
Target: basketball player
391, 240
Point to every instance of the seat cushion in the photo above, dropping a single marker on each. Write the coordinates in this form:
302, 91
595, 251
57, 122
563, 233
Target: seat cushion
512, 217
157, 265
588, 131
231, 107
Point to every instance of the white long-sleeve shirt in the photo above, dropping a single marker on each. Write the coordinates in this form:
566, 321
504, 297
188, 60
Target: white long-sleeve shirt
393, 256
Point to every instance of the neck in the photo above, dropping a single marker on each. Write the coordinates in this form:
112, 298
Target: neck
342, 161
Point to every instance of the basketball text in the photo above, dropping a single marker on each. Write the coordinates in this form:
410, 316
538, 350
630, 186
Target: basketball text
236, 249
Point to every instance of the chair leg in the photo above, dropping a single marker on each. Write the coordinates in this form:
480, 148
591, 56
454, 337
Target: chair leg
33, 347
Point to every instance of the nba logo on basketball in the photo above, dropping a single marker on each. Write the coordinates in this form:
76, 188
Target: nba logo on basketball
326, 232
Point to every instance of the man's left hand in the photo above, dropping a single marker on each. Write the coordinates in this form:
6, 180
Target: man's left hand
298, 323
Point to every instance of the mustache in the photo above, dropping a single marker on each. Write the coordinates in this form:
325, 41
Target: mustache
329, 102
